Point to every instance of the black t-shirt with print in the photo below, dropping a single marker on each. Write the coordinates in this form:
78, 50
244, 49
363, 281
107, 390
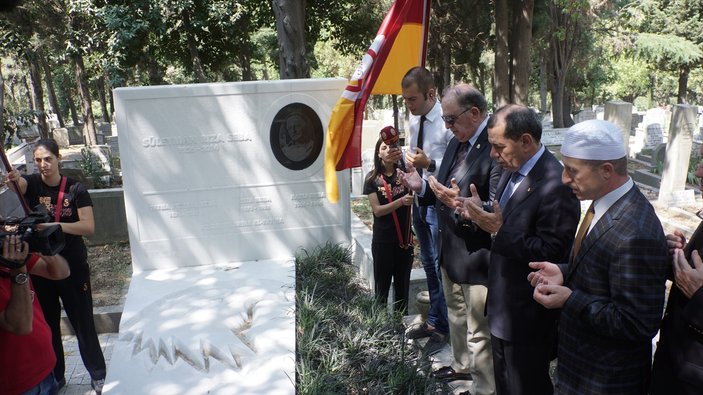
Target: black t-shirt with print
384, 229
75, 196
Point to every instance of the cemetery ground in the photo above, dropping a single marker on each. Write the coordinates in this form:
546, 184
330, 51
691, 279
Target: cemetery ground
111, 270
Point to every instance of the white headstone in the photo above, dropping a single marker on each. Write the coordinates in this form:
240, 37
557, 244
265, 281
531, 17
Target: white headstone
223, 185
553, 136
678, 154
620, 113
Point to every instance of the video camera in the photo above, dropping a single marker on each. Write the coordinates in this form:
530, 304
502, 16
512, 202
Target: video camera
47, 241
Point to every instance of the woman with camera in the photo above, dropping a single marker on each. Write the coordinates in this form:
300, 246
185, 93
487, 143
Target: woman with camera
391, 245
70, 206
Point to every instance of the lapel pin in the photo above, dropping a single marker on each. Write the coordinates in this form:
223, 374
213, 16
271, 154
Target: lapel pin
478, 146
529, 189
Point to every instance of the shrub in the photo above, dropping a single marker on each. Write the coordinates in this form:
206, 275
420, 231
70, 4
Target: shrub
346, 342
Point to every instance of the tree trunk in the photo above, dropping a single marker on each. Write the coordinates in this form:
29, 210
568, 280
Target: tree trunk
110, 98
502, 64
2, 106
683, 85
542, 86
101, 97
557, 103
88, 121
562, 43
245, 64
520, 42
154, 72
27, 93
37, 92
290, 26
193, 48
566, 121
71, 105
50, 90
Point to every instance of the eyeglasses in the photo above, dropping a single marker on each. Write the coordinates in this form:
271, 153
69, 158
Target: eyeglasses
451, 119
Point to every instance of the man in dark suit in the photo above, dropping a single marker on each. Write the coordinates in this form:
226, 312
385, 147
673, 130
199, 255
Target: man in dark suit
534, 218
611, 293
678, 362
463, 248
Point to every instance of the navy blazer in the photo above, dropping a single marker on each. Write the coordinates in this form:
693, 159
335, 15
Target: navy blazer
539, 224
618, 283
463, 248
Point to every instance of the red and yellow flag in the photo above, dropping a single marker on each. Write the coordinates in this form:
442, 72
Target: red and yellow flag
400, 44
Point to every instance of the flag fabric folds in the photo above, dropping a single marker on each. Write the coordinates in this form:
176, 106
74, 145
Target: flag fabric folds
399, 45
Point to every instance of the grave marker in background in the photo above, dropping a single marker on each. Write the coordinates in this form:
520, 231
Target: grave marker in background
678, 153
620, 113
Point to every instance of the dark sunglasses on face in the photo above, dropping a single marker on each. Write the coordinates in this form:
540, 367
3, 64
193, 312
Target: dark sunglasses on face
451, 119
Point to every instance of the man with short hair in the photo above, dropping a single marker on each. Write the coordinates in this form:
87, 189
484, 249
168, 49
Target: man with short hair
26, 355
428, 141
463, 248
611, 293
534, 217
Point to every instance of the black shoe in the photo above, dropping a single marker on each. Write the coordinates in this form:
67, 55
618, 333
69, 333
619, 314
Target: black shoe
61, 383
419, 331
97, 385
435, 343
447, 373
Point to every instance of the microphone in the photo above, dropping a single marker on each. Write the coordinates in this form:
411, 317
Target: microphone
390, 137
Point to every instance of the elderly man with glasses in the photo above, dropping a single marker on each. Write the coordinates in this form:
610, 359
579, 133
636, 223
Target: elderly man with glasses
463, 249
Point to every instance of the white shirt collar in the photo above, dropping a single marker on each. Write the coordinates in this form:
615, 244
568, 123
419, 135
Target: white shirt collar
600, 206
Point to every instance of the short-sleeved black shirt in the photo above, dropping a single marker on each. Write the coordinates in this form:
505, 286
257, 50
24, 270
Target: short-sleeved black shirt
75, 197
384, 229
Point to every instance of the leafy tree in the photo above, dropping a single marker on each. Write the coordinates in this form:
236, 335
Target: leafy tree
669, 34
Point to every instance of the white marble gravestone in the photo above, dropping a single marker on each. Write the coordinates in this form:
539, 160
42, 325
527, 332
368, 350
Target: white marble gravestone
223, 185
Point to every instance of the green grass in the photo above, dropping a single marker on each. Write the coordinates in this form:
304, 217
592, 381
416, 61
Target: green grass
346, 342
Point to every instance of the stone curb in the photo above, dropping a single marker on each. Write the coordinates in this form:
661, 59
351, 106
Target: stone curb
107, 320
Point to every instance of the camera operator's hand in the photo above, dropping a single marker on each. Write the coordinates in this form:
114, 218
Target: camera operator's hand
14, 249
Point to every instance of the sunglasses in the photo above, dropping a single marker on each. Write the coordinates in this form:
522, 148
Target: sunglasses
451, 119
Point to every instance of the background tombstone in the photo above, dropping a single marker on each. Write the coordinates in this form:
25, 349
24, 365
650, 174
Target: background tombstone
223, 184
620, 113
678, 153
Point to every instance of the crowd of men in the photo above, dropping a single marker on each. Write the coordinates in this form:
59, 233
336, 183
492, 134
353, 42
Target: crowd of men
497, 216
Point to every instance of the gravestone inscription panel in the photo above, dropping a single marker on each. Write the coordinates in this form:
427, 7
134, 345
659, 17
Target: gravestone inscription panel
223, 184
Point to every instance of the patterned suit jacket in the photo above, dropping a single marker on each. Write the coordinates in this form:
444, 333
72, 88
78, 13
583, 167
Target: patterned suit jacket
464, 248
618, 282
539, 224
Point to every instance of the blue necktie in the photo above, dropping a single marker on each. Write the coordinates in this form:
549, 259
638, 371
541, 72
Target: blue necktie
509, 189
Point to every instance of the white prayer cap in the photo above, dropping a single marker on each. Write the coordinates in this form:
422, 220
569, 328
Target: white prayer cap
593, 140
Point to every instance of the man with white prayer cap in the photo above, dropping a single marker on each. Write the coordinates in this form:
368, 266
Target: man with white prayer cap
611, 292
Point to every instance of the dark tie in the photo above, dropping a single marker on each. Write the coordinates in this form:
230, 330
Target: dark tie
509, 189
583, 229
420, 133
459, 160
420, 138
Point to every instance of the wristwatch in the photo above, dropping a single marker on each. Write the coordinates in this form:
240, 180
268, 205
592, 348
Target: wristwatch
432, 167
20, 278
